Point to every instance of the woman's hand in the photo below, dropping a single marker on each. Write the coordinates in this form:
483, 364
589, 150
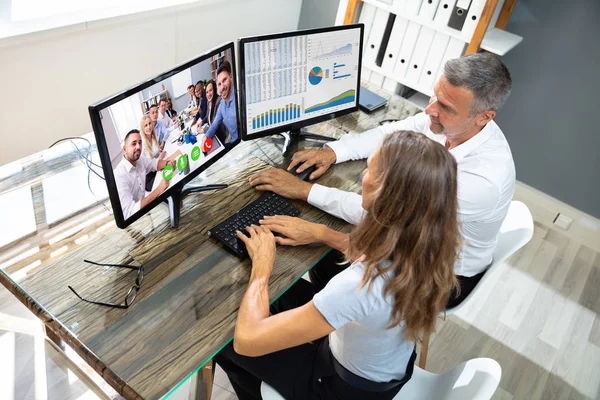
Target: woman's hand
261, 248
296, 230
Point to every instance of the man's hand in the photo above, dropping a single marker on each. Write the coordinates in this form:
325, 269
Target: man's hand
296, 231
321, 159
163, 163
283, 183
261, 249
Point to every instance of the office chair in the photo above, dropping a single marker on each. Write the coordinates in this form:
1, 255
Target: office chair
476, 379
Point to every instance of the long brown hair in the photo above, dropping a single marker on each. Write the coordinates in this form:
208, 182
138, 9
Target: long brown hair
410, 230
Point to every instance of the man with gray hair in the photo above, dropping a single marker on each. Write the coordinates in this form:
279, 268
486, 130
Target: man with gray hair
459, 116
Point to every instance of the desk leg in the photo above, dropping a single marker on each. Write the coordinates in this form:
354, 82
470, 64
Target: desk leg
54, 339
66, 359
201, 384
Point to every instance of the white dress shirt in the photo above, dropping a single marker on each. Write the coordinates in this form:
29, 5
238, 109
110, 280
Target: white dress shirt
165, 120
131, 182
486, 184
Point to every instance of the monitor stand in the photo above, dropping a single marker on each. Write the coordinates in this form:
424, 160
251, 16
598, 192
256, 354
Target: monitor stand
176, 198
291, 137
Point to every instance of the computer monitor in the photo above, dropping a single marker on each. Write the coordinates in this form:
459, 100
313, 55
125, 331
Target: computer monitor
294, 79
155, 137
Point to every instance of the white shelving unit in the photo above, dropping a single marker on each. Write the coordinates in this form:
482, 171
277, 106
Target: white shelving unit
484, 36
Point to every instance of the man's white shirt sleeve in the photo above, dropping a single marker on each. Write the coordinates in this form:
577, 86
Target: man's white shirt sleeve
348, 205
362, 145
339, 203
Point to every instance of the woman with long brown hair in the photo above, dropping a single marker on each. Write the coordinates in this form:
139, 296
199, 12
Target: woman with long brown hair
355, 339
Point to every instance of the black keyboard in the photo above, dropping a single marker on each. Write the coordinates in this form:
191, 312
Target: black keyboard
267, 204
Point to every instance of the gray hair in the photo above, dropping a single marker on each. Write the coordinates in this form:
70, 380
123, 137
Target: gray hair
485, 75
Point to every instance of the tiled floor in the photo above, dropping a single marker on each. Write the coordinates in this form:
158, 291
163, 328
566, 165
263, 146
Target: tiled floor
538, 316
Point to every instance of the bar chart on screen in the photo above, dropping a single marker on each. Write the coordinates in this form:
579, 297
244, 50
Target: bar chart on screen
276, 116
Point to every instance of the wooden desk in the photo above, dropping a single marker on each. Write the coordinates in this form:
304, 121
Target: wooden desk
186, 309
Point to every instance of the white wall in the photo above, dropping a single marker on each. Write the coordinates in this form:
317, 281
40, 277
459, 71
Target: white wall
48, 80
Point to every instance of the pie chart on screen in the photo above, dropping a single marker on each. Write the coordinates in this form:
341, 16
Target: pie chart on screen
315, 75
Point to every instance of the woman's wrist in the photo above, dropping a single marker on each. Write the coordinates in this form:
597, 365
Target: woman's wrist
261, 269
333, 238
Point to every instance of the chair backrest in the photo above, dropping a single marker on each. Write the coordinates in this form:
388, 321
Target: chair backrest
516, 231
476, 379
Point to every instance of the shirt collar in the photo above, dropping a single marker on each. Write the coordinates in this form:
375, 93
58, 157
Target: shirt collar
127, 165
461, 151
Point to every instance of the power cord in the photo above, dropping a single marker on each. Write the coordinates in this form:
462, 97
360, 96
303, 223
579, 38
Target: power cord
88, 162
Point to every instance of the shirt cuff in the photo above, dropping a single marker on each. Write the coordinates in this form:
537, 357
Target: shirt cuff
317, 196
341, 154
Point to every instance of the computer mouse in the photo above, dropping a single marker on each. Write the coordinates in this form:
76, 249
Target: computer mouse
304, 174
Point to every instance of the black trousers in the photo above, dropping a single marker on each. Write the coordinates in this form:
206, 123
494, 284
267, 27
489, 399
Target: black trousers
301, 372
329, 266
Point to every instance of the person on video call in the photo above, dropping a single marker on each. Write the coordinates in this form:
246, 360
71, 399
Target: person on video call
193, 103
171, 113
130, 175
151, 147
460, 116
201, 99
212, 103
163, 117
226, 111
161, 130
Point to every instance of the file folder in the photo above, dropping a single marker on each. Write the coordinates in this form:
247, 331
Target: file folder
472, 19
417, 61
406, 51
455, 49
395, 44
367, 14
376, 79
428, 9
385, 40
434, 60
459, 14
399, 6
412, 7
391, 85
376, 35
442, 15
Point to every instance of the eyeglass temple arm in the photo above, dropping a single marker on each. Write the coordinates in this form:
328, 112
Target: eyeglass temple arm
112, 265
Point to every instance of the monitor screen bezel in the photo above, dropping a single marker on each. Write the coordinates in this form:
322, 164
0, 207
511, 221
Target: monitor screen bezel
94, 111
295, 126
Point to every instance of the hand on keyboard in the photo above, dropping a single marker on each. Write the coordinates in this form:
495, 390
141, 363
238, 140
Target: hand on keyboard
260, 244
267, 204
281, 182
296, 231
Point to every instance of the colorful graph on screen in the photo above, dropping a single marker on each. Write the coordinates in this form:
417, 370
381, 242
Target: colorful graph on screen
344, 98
337, 51
315, 76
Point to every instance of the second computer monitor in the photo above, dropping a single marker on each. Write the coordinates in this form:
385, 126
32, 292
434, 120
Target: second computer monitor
290, 80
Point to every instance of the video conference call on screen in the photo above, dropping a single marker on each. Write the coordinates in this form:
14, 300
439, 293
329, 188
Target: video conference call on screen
171, 123
165, 131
